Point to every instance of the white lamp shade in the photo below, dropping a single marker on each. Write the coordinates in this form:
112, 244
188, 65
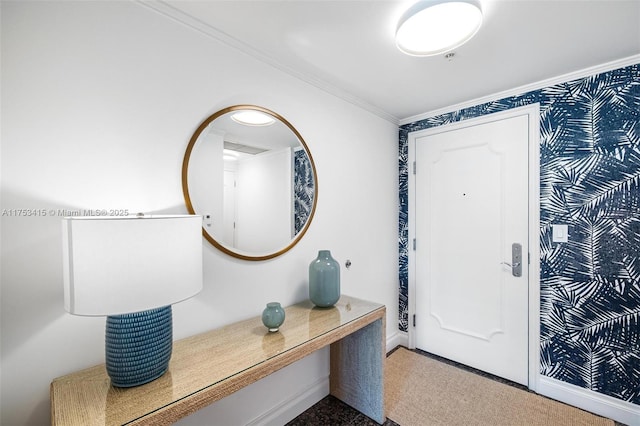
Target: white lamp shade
118, 265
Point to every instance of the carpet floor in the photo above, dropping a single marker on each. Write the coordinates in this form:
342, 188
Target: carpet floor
423, 391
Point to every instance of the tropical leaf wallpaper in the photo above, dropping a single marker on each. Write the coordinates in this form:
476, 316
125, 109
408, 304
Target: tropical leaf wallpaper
590, 180
303, 189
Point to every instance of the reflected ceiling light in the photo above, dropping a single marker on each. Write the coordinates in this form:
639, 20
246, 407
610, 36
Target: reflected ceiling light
229, 155
431, 27
252, 118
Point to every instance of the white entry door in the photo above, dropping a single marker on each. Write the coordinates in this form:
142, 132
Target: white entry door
471, 210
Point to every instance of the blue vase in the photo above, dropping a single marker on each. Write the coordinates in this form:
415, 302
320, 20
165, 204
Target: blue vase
273, 316
324, 280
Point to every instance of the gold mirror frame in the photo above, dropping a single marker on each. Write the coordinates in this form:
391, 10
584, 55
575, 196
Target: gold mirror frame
185, 183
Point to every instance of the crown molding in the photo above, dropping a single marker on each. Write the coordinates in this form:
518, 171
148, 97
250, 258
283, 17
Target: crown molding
608, 66
202, 27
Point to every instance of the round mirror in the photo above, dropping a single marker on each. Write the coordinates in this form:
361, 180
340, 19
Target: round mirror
250, 175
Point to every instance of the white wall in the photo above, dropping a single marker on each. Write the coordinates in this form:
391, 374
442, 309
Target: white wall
99, 100
265, 202
206, 180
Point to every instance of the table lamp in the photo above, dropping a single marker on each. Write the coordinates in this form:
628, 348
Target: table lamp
131, 269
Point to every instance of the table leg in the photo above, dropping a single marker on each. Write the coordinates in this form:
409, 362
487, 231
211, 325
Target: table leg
357, 370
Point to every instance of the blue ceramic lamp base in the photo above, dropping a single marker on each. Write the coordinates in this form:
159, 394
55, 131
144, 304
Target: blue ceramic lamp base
138, 346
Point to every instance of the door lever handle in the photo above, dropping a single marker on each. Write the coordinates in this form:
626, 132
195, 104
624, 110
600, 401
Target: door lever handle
516, 260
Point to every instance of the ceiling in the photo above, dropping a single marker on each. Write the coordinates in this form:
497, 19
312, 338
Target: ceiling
347, 47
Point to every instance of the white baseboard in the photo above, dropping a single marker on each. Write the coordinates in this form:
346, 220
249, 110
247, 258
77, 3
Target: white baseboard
399, 338
290, 409
602, 405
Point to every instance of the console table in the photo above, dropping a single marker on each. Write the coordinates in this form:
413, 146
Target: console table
209, 366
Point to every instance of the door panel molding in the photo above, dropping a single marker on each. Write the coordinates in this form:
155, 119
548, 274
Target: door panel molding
533, 113
477, 334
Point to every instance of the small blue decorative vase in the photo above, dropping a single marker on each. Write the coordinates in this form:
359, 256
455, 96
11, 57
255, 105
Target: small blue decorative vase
324, 280
273, 316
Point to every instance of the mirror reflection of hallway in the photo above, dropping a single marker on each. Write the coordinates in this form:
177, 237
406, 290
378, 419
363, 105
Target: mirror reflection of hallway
255, 185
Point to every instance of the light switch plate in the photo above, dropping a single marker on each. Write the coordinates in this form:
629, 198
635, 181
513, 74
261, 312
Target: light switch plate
560, 233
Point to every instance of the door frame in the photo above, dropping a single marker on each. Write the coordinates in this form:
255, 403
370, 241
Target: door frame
533, 113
